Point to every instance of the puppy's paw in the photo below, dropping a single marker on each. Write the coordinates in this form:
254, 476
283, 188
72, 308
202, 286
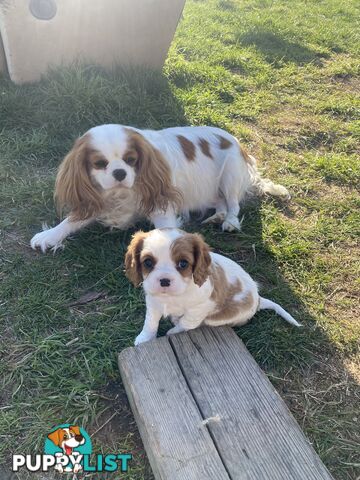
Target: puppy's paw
177, 329
48, 238
144, 337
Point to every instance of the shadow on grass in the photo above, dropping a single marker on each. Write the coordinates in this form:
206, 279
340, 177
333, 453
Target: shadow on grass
278, 50
68, 102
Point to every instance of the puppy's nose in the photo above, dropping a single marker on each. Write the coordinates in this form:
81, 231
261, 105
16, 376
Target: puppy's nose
164, 282
79, 438
119, 174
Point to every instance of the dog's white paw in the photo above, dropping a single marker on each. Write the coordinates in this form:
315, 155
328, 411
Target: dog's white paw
231, 223
218, 217
177, 329
144, 337
48, 238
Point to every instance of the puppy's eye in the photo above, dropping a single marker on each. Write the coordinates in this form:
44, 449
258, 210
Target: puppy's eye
100, 164
182, 264
66, 437
148, 263
130, 160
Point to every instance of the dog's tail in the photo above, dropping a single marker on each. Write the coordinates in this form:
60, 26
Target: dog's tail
264, 304
263, 186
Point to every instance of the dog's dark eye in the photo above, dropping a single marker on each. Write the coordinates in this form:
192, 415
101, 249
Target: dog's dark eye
100, 164
148, 263
66, 436
182, 264
130, 160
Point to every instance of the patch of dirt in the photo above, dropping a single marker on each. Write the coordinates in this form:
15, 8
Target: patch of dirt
109, 425
325, 399
17, 242
118, 424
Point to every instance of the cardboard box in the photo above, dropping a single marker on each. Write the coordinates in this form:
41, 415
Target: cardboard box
38, 34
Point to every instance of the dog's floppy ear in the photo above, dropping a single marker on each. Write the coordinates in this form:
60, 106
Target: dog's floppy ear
75, 429
57, 436
153, 177
202, 259
132, 258
73, 187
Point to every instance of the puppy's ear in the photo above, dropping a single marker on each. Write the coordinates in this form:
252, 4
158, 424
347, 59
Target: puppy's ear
153, 177
73, 187
202, 259
132, 258
75, 429
56, 437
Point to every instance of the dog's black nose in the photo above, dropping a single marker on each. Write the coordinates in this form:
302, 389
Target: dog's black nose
164, 282
119, 174
79, 438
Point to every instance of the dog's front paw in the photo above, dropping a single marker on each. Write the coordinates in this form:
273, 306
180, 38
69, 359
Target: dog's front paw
144, 337
232, 223
177, 329
48, 238
218, 217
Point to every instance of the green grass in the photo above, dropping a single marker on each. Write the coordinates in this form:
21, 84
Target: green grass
282, 76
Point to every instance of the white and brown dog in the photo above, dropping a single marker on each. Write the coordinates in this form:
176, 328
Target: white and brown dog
67, 439
184, 280
116, 174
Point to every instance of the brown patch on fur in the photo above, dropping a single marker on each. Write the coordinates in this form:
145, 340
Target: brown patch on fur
133, 267
245, 155
193, 248
131, 157
205, 147
144, 269
153, 176
183, 249
74, 189
223, 295
188, 147
224, 142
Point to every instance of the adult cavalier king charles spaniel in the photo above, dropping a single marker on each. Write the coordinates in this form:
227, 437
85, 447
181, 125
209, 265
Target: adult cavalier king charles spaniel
116, 174
184, 280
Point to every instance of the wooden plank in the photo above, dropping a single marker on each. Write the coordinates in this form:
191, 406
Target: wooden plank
178, 445
256, 436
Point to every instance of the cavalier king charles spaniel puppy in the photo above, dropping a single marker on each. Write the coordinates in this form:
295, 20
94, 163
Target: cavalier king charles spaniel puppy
117, 174
184, 280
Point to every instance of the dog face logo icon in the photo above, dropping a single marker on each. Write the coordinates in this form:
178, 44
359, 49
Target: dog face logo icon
68, 443
67, 438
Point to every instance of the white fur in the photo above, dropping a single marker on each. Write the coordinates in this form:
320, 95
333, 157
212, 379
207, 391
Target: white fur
220, 182
188, 304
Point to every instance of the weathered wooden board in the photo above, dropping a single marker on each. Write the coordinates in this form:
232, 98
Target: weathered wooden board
176, 383
178, 445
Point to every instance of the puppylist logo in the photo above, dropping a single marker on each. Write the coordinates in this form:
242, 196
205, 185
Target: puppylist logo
68, 449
